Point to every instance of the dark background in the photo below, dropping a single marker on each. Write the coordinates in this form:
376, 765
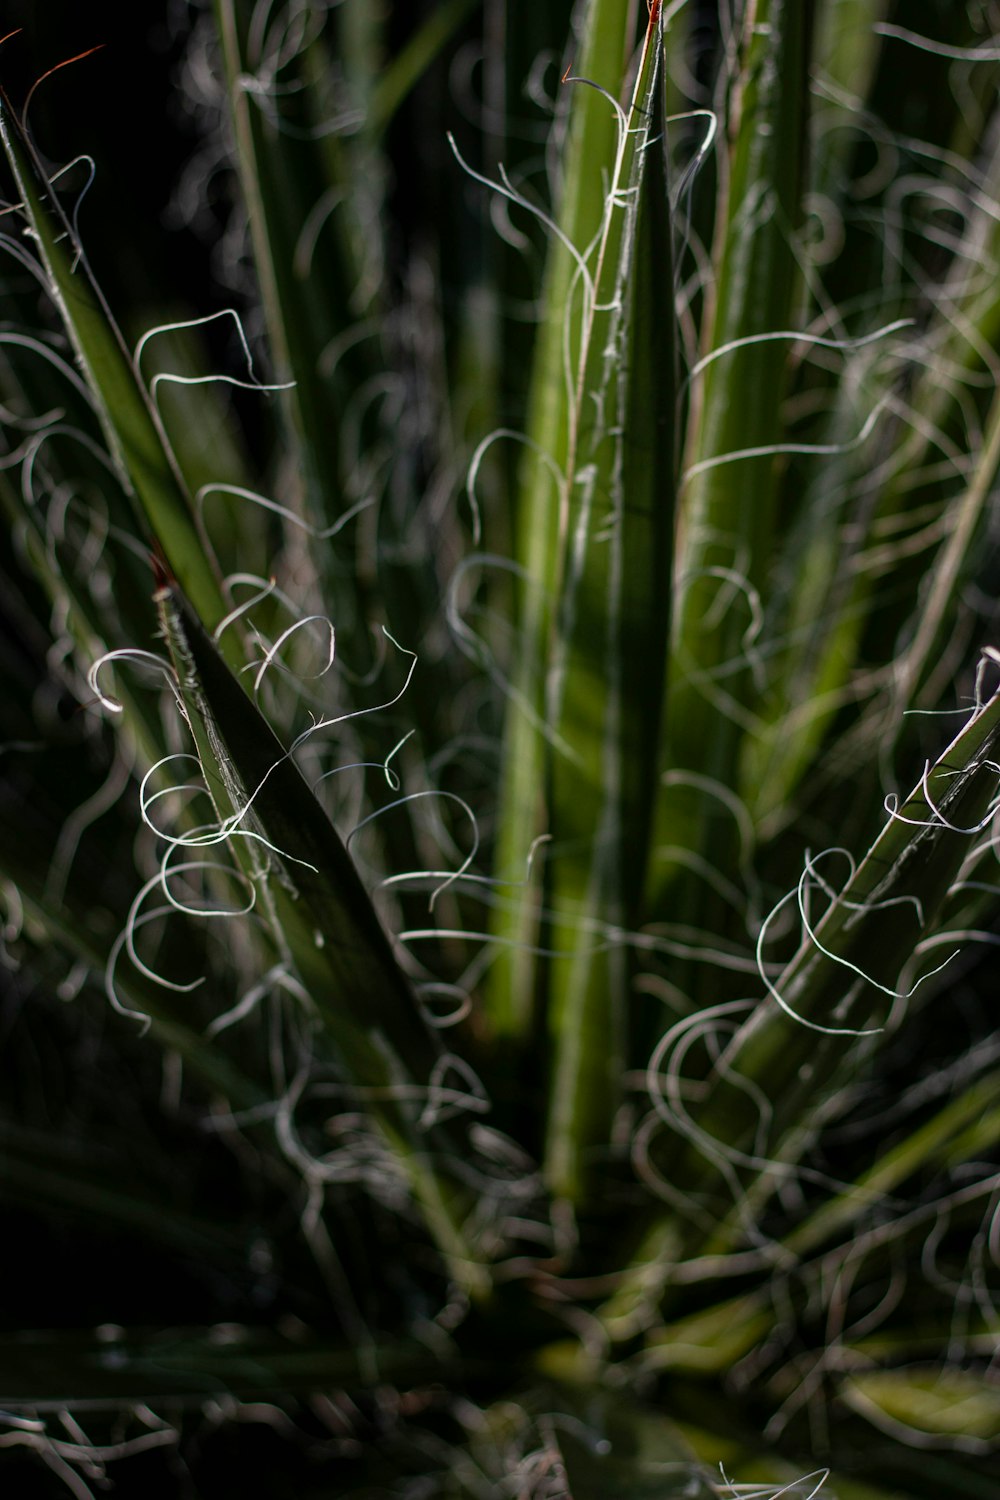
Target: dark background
120, 106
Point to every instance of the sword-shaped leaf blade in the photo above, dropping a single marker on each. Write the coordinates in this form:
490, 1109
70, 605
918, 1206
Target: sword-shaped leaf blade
128, 418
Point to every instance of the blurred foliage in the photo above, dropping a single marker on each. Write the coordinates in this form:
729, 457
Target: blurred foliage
498, 754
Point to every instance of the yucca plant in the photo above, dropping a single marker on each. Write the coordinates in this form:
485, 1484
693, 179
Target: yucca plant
499, 760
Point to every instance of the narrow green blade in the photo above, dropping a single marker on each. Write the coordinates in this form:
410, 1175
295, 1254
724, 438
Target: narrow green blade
294, 164
321, 917
514, 997
967, 1128
128, 417
369, 991
611, 628
727, 518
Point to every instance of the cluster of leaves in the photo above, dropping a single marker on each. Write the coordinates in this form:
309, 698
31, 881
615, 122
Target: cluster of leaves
499, 810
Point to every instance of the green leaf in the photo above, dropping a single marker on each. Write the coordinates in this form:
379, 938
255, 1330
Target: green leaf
595, 540
928, 1406
710, 1341
302, 203
321, 917
966, 1127
796, 1050
539, 522
128, 418
611, 631
408, 66
727, 517
851, 961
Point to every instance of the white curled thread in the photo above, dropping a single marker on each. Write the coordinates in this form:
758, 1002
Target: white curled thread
490, 882
813, 340
476, 462
250, 384
81, 818
209, 834
60, 1455
440, 988
333, 352
230, 826
862, 907
167, 870
60, 429
273, 45
286, 634
242, 493
505, 189
126, 653
669, 1105
147, 798
23, 340
768, 450
276, 978
368, 765
199, 838
988, 53
800, 895
765, 1492
477, 650
264, 590
937, 818
739, 582
992, 655
137, 918
443, 1102
360, 713
72, 218
447, 878
730, 801
693, 167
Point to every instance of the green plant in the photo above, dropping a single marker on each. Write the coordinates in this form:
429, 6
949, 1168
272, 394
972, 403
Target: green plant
529, 790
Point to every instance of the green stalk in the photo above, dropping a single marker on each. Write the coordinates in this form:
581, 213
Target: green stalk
610, 635
287, 172
833, 995
728, 515
540, 525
